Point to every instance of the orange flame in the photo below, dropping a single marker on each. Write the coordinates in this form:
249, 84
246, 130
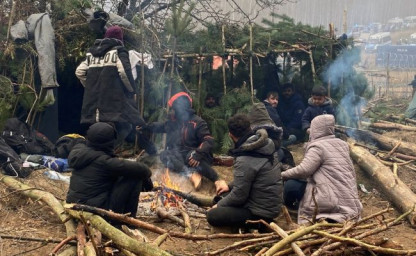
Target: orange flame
166, 180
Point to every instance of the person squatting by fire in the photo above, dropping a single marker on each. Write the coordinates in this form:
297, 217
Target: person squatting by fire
189, 142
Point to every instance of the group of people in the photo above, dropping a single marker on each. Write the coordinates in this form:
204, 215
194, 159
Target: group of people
259, 187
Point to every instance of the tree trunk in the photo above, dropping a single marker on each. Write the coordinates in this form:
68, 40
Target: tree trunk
393, 188
383, 142
391, 126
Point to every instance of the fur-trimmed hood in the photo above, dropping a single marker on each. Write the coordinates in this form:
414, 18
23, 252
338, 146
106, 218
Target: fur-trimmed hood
259, 143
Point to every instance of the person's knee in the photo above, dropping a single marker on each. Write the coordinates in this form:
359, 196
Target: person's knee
213, 217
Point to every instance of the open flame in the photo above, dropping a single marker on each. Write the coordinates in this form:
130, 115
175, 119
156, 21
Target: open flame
165, 197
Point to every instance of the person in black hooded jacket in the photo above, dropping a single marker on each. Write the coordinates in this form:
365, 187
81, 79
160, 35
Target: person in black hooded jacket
102, 180
189, 142
109, 88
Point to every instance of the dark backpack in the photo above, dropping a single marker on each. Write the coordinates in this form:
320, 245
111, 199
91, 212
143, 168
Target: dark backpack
65, 144
23, 139
10, 162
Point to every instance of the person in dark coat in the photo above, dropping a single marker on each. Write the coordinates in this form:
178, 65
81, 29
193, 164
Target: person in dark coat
256, 190
319, 104
290, 109
102, 180
271, 103
189, 142
109, 88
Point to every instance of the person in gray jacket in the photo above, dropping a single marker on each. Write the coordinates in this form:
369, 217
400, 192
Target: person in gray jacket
256, 191
331, 189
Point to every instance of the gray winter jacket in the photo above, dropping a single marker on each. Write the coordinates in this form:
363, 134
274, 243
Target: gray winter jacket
330, 174
257, 183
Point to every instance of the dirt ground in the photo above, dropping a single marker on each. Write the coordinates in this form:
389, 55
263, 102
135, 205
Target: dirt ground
25, 218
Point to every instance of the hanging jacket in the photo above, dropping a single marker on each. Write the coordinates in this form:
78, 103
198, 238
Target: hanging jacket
108, 84
257, 183
330, 175
313, 111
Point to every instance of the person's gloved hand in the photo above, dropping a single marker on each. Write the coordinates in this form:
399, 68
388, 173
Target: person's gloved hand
194, 159
147, 185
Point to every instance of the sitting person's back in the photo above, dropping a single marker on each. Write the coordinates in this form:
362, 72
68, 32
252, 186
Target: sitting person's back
318, 104
102, 180
256, 190
330, 175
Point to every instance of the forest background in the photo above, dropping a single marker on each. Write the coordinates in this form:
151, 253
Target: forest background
184, 39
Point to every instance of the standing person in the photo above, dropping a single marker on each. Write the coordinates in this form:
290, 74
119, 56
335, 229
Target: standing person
290, 109
211, 101
256, 189
319, 104
331, 188
109, 89
102, 180
189, 142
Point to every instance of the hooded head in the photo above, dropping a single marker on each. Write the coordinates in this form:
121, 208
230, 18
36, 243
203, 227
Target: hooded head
114, 32
413, 83
181, 103
321, 126
260, 119
101, 136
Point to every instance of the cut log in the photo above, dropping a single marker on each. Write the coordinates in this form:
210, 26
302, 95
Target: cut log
398, 193
381, 141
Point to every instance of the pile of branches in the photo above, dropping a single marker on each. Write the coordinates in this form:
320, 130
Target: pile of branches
98, 232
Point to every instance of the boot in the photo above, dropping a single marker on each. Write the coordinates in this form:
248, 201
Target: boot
196, 180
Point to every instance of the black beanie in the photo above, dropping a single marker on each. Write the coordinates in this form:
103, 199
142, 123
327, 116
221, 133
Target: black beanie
101, 135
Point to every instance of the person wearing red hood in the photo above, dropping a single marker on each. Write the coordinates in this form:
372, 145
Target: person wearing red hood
189, 142
109, 88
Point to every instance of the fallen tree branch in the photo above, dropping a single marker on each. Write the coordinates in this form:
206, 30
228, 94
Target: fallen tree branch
117, 236
141, 224
186, 219
378, 249
33, 239
62, 243
163, 214
242, 243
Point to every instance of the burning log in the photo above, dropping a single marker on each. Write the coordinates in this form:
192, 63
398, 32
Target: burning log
399, 193
196, 198
163, 214
383, 142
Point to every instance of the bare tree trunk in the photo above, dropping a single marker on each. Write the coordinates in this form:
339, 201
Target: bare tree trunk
396, 191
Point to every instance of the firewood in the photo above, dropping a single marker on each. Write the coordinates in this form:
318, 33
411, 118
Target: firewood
186, 219
193, 197
398, 193
236, 245
382, 141
160, 239
391, 126
81, 238
117, 236
135, 233
163, 214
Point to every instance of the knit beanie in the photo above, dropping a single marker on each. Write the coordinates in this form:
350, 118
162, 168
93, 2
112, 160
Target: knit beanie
101, 136
114, 32
319, 90
259, 116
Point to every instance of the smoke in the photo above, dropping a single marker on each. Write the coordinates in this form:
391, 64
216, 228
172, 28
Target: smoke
347, 86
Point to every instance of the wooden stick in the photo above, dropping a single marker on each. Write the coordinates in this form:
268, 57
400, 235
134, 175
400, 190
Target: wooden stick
263, 250
283, 234
186, 219
393, 149
160, 239
81, 239
163, 214
153, 228
135, 233
33, 239
242, 243
62, 243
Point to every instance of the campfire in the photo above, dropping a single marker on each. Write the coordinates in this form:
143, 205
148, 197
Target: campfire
164, 195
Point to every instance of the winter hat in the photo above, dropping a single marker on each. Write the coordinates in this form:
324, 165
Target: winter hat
101, 135
114, 32
319, 90
180, 100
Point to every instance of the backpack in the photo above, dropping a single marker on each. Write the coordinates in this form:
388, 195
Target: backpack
11, 163
23, 139
65, 144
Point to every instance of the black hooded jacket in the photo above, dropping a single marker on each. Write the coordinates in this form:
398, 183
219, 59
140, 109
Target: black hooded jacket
109, 85
95, 172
